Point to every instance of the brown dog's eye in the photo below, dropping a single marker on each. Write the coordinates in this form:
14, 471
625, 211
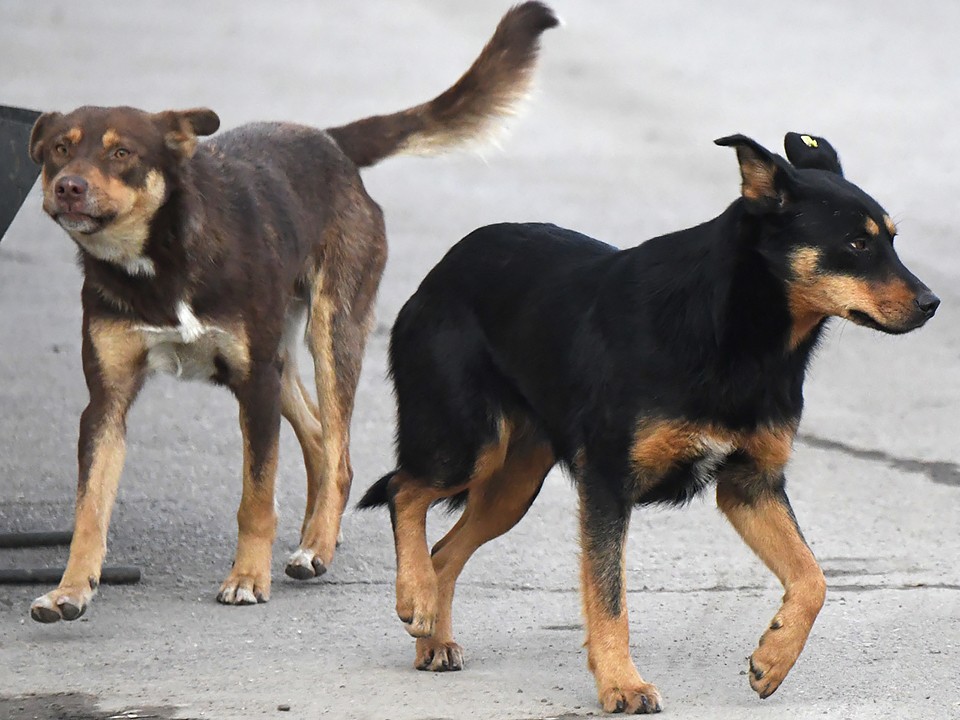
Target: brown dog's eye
858, 244
60, 149
121, 153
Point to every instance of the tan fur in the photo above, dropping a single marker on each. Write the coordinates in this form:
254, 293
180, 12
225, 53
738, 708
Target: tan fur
74, 135
330, 476
496, 503
659, 445
873, 230
814, 295
298, 408
767, 527
249, 579
890, 225
123, 239
619, 685
757, 176
119, 356
417, 586
492, 457
110, 138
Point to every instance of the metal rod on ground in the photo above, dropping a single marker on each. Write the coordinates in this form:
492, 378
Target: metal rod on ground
35, 539
119, 575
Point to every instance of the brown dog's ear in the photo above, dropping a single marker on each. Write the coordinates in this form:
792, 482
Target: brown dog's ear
37, 135
765, 179
183, 127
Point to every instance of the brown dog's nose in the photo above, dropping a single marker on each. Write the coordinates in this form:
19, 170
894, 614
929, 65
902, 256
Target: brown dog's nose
71, 187
928, 303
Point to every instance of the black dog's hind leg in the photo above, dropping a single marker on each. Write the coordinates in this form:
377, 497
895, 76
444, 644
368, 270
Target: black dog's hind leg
493, 507
604, 516
766, 523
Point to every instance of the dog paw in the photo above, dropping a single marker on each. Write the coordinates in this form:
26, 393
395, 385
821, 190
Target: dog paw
417, 609
244, 589
438, 656
64, 603
304, 565
771, 661
642, 699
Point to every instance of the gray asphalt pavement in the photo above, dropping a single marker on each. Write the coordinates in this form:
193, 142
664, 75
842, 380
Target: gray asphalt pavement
617, 142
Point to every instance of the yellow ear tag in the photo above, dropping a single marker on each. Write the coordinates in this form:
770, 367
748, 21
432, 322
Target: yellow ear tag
808, 141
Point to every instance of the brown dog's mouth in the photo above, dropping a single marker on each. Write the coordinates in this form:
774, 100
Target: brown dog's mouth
80, 222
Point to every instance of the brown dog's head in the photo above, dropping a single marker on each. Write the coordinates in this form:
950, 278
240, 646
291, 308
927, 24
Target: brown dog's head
106, 172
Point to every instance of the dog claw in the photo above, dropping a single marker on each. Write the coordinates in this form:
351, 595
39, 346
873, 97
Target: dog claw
58, 605
304, 565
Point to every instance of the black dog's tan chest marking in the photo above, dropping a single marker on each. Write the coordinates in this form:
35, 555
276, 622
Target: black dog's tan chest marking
699, 450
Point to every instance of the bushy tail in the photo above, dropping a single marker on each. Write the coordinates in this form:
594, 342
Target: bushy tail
376, 494
490, 90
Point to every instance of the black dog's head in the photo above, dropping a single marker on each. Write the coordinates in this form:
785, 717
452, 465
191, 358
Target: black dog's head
106, 170
829, 241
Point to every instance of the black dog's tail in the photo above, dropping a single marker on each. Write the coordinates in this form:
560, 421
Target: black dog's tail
376, 495
490, 90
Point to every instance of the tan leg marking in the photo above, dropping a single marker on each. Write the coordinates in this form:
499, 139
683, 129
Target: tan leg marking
114, 358
417, 602
329, 482
620, 687
249, 580
493, 507
767, 526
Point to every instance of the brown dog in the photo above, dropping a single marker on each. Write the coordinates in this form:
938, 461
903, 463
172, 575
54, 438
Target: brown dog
203, 259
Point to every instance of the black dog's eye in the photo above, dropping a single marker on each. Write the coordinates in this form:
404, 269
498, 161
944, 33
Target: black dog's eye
858, 244
121, 153
60, 149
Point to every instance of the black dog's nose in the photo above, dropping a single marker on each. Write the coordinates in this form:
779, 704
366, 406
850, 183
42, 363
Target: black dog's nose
928, 303
71, 186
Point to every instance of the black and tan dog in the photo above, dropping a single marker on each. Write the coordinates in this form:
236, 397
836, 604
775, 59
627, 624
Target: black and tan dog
649, 373
203, 259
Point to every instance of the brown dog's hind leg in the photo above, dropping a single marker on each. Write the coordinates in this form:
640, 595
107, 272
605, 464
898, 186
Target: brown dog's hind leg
298, 408
113, 363
341, 314
603, 530
259, 396
767, 524
493, 507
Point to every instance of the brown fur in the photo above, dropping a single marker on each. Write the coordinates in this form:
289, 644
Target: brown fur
202, 259
871, 227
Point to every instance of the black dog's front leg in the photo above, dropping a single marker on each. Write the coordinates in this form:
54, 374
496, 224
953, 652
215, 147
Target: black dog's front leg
761, 514
604, 516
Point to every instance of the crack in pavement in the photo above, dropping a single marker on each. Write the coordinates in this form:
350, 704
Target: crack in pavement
848, 587
941, 472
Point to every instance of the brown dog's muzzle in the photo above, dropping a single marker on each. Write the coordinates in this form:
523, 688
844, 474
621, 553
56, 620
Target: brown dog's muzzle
70, 192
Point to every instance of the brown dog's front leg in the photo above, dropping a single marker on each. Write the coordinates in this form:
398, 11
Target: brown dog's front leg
766, 523
259, 396
113, 361
603, 531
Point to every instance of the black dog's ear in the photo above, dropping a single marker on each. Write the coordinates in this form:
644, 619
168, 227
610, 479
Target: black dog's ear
183, 126
765, 175
38, 135
811, 152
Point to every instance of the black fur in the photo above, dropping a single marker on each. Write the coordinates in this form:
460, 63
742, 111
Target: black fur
650, 373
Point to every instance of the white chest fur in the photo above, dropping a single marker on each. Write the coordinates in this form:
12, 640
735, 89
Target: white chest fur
190, 349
